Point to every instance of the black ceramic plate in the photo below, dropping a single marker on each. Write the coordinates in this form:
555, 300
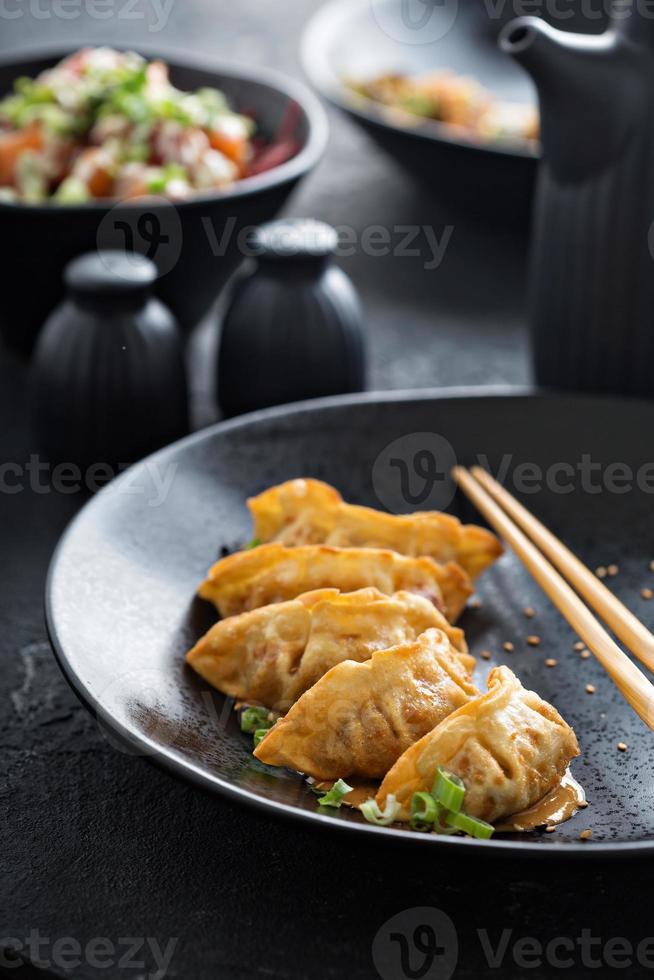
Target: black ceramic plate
121, 608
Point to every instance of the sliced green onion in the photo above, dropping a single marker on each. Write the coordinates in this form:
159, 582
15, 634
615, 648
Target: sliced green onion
448, 790
424, 811
254, 543
334, 796
254, 718
440, 827
470, 825
381, 818
259, 735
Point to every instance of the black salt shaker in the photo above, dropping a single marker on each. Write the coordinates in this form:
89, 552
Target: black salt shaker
108, 381
294, 327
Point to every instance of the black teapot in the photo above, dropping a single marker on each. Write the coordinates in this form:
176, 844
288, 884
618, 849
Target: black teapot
592, 265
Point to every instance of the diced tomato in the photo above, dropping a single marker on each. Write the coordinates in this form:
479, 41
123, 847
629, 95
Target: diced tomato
12, 145
94, 168
231, 139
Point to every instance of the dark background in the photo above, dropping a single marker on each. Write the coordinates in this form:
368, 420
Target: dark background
96, 843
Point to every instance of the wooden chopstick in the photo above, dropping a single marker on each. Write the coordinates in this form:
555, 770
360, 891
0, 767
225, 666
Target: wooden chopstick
628, 678
635, 636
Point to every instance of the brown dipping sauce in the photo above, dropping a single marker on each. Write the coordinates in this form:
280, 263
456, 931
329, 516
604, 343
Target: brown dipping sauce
557, 806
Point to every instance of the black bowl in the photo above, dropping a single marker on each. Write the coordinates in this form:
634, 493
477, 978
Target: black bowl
362, 38
196, 244
358, 39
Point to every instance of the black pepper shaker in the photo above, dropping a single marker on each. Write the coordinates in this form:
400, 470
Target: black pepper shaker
294, 327
108, 380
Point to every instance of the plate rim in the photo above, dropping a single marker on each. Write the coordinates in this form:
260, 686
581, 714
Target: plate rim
189, 772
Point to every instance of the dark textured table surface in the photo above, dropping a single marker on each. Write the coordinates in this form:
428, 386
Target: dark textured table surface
99, 846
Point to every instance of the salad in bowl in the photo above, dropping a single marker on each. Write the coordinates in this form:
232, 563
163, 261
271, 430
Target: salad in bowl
110, 124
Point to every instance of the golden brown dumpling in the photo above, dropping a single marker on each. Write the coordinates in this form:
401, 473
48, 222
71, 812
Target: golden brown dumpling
360, 717
508, 746
312, 512
274, 573
274, 654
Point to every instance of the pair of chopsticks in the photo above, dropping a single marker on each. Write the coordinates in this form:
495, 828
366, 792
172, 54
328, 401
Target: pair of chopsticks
526, 535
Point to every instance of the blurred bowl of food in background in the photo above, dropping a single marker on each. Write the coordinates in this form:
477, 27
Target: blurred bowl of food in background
215, 151
428, 83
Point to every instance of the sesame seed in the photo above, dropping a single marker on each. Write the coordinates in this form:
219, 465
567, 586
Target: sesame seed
508, 646
529, 612
622, 746
612, 570
646, 593
533, 641
484, 654
551, 662
601, 571
586, 834
474, 603
590, 689
578, 645
585, 654
550, 828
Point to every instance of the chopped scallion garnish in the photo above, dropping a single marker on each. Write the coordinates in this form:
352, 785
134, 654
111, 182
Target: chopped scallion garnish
424, 811
259, 735
254, 543
470, 825
334, 796
448, 790
381, 818
254, 718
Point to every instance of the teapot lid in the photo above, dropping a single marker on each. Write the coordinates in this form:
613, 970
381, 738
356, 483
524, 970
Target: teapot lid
294, 239
110, 279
